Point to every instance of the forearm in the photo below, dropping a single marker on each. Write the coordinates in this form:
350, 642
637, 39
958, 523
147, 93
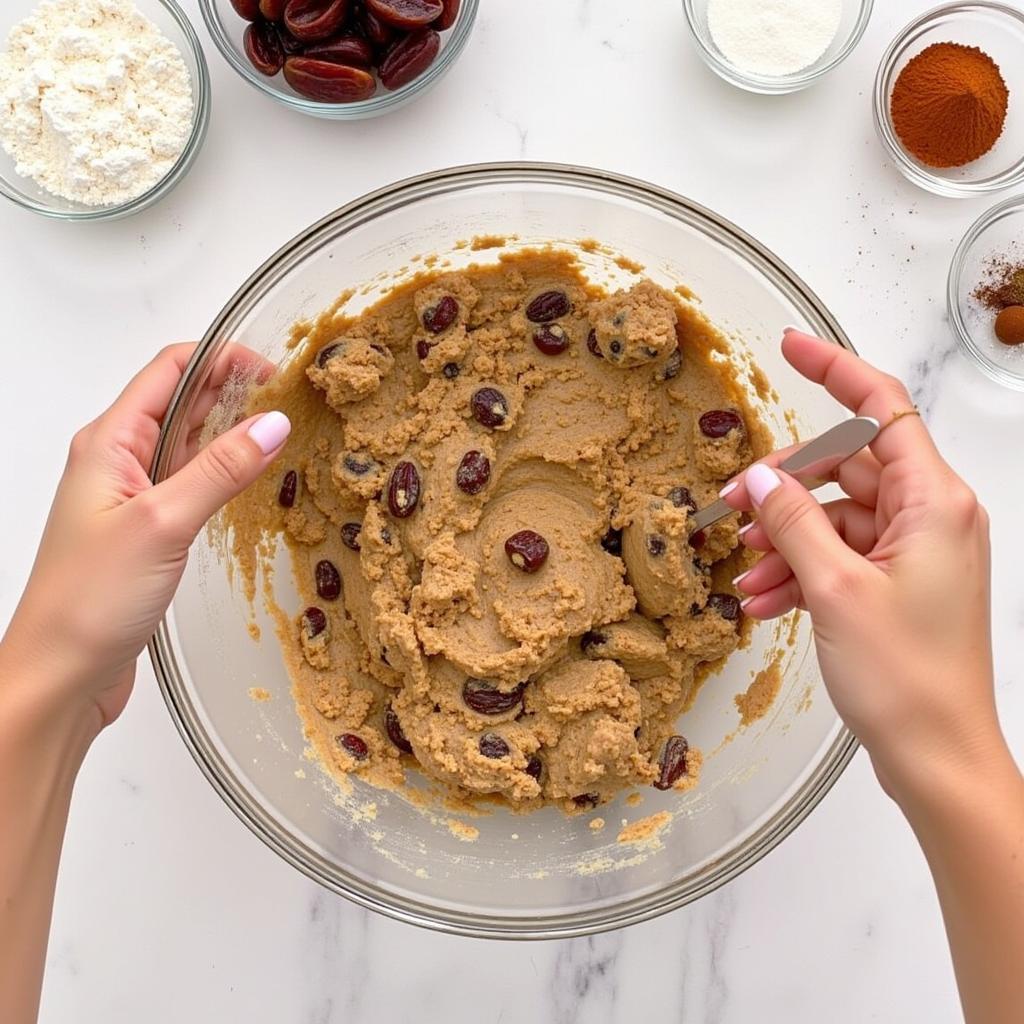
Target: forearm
969, 820
41, 749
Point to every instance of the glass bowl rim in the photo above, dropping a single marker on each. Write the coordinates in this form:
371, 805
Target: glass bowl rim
200, 122
991, 369
380, 103
774, 85
169, 676
883, 120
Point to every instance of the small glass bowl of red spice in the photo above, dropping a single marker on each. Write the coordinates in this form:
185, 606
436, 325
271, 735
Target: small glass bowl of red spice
343, 60
985, 293
949, 99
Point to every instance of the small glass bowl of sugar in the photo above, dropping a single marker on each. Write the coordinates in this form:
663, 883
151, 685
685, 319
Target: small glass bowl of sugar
118, 178
776, 46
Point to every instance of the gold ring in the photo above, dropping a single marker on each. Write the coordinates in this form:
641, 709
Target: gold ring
899, 415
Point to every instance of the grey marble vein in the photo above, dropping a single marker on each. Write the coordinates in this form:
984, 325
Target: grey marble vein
330, 958
584, 980
520, 128
926, 373
704, 976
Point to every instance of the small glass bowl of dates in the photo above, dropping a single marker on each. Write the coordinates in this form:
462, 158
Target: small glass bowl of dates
340, 59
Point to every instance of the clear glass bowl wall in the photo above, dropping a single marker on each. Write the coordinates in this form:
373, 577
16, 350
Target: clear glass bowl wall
999, 232
541, 875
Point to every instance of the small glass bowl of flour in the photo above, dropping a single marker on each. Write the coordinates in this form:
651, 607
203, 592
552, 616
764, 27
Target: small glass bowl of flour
104, 104
776, 46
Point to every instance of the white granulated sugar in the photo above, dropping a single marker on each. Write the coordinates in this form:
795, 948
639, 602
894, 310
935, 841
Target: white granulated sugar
95, 102
773, 37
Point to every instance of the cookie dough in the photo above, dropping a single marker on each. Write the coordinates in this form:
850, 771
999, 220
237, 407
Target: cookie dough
499, 464
636, 327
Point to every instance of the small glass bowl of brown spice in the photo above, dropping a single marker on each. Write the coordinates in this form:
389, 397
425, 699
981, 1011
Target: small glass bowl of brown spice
949, 99
986, 293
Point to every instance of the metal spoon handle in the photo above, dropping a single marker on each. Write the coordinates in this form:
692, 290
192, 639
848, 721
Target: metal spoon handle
811, 464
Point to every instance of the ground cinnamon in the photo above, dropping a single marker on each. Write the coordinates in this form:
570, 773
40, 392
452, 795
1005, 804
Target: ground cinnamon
1002, 284
949, 104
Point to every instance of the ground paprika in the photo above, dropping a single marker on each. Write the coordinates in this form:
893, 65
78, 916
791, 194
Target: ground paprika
949, 104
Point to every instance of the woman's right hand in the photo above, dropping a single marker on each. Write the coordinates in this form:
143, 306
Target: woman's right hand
895, 577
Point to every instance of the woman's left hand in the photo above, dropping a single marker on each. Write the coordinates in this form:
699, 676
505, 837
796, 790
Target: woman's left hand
115, 545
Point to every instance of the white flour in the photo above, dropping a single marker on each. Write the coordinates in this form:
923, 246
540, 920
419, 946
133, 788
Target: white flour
773, 37
95, 102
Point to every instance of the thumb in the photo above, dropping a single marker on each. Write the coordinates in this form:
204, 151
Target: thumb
797, 526
221, 470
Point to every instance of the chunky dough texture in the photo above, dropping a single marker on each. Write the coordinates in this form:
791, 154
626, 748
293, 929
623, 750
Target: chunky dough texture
555, 686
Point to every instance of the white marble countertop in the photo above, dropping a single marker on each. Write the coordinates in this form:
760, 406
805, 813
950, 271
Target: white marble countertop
168, 910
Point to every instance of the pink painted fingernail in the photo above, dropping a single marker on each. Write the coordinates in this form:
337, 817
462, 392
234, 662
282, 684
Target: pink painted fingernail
728, 489
270, 431
742, 576
746, 528
747, 600
761, 481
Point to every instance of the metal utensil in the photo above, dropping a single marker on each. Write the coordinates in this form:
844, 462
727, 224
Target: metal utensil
811, 465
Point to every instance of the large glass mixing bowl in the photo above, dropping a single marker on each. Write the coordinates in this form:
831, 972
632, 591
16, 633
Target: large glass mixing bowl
542, 875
